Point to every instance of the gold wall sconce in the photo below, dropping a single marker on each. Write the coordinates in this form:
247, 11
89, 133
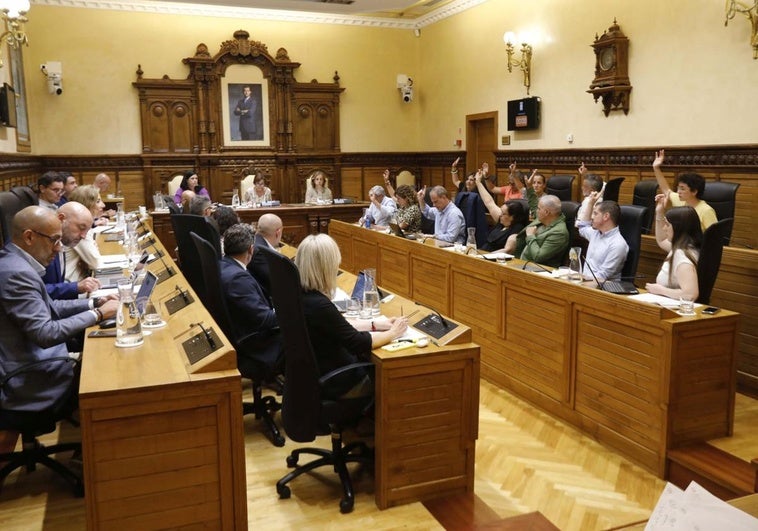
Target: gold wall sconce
525, 63
13, 14
751, 12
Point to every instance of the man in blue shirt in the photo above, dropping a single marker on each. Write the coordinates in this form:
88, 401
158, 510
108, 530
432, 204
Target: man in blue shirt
607, 250
382, 208
449, 224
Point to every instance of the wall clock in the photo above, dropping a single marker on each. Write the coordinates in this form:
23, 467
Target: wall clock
611, 84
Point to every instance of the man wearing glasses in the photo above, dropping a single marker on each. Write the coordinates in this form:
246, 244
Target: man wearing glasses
35, 327
545, 240
50, 189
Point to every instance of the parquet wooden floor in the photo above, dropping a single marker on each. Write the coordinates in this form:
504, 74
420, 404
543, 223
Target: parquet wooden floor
526, 461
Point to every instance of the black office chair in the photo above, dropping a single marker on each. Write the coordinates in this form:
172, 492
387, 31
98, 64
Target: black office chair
710, 257
306, 413
722, 197
214, 300
26, 194
560, 186
644, 195
32, 424
630, 225
10, 204
189, 262
570, 209
612, 189
173, 208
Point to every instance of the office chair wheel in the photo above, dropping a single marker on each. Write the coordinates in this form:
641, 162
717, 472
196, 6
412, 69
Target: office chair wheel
346, 506
291, 460
284, 492
278, 440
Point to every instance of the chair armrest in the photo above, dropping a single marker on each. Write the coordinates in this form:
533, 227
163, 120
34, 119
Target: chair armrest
352, 367
29, 366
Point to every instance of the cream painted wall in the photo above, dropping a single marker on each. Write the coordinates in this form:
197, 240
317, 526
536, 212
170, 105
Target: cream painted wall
694, 80
98, 111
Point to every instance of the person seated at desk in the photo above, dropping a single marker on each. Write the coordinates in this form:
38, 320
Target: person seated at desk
408, 214
335, 341
545, 240
449, 223
514, 189
382, 209
590, 183
469, 185
510, 219
187, 197
535, 186
60, 283
102, 182
49, 189
250, 309
689, 190
317, 188
69, 185
269, 235
607, 249
191, 182
36, 327
90, 197
259, 192
678, 232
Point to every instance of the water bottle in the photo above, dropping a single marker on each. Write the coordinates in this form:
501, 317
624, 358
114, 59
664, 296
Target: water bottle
575, 264
471, 240
120, 219
235, 200
368, 221
370, 293
128, 324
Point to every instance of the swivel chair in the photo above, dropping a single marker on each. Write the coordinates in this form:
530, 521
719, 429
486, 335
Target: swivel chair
10, 204
709, 262
644, 195
630, 225
32, 424
570, 209
612, 189
560, 186
306, 412
173, 208
721, 196
189, 261
214, 300
26, 194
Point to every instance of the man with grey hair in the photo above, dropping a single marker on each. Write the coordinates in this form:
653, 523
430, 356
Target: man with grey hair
546, 239
449, 223
382, 209
252, 310
269, 235
200, 206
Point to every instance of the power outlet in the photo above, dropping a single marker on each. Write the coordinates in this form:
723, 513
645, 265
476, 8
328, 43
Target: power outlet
505, 140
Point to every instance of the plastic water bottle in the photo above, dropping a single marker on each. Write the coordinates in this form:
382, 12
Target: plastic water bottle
235, 200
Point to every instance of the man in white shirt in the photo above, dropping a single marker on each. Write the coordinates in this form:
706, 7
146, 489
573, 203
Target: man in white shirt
50, 189
607, 250
382, 208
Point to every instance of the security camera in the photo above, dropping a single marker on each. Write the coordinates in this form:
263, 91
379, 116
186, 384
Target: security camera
54, 84
407, 93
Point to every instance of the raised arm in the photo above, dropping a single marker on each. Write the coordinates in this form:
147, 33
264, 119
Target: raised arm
662, 182
660, 221
388, 184
586, 214
454, 173
492, 208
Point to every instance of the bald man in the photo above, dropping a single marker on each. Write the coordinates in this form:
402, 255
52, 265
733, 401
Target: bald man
102, 182
35, 327
76, 221
269, 235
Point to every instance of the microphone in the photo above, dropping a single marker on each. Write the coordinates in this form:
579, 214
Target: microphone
184, 295
442, 320
208, 335
535, 263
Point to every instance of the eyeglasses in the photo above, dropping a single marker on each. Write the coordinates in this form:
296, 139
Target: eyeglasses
55, 240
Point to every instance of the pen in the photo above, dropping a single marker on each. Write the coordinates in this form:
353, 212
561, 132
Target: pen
401, 310
411, 314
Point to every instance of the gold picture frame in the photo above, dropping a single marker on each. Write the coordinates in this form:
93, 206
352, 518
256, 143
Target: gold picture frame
18, 81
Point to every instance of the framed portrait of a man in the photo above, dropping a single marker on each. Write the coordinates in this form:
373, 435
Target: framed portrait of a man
244, 95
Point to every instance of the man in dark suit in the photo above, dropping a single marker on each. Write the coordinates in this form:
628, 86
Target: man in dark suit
35, 327
252, 311
269, 235
247, 110
76, 221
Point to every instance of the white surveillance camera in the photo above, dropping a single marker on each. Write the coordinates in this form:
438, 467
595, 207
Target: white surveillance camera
54, 84
407, 93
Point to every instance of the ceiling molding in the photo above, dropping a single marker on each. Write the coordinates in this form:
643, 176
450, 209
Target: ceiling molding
207, 10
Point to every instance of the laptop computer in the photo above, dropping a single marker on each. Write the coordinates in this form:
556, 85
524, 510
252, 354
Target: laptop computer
397, 231
614, 286
145, 291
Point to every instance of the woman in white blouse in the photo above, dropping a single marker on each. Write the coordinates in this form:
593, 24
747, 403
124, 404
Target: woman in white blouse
259, 192
317, 188
85, 256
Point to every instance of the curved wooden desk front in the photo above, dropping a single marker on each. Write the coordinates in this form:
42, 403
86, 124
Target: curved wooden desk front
163, 440
638, 377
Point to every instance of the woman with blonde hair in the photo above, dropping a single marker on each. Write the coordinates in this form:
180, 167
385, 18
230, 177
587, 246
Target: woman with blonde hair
317, 188
336, 341
81, 259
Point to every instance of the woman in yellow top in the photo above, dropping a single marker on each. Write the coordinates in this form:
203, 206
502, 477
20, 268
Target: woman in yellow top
689, 189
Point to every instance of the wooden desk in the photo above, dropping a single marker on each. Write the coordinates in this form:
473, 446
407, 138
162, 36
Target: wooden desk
163, 440
427, 414
299, 220
639, 378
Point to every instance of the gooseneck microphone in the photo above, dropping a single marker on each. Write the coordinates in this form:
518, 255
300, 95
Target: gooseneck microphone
442, 320
207, 334
523, 268
183, 293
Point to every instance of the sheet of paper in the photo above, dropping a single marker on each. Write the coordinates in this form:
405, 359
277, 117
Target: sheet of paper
660, 300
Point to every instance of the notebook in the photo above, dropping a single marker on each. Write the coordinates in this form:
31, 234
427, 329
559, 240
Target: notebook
614, 286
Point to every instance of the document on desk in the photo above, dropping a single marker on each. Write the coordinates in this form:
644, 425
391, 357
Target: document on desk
660, 300
113, 260
696, 508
